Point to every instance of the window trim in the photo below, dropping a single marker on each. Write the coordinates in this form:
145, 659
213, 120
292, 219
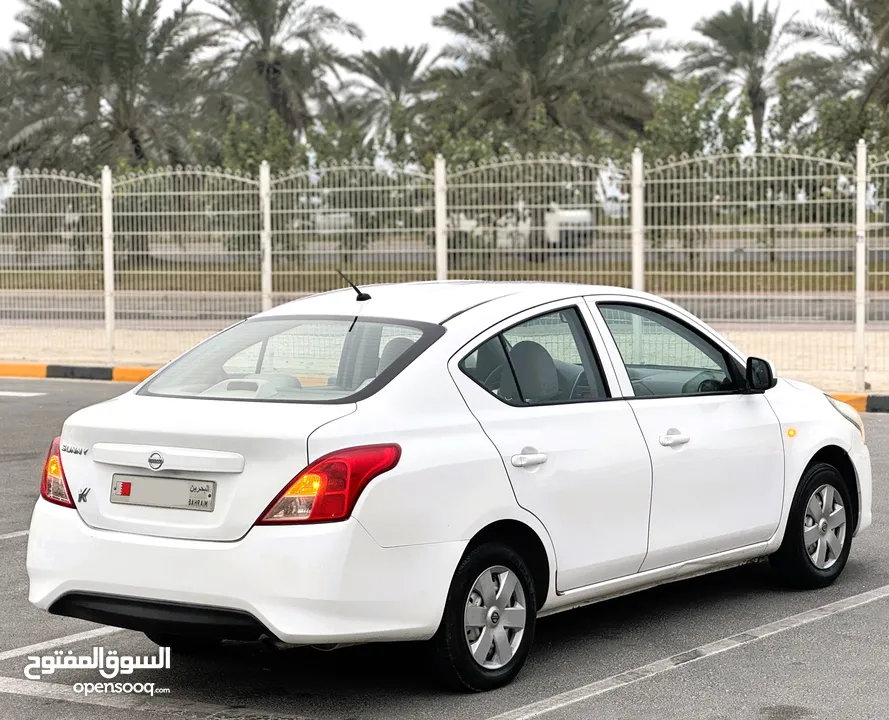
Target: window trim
499, 334
734, 367
431, 333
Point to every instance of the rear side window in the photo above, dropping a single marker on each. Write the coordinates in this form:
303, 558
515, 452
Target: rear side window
297, 359
546, 360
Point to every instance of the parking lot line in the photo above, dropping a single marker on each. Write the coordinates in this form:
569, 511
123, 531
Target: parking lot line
17, 394
601, 687
57, 642
146, 703
10, 536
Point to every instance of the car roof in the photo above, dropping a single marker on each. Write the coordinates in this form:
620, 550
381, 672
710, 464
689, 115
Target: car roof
435, 301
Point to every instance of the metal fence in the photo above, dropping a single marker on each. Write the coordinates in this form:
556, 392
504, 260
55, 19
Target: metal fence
785, 254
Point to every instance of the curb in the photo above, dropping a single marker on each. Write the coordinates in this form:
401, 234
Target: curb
76, 372
112, 374
864, 402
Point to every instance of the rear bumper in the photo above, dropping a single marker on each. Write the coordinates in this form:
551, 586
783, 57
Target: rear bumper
304, 585
152, 616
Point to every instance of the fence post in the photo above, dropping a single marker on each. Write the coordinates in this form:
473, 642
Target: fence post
265, 235
108, 259
637, 215
441, 218
861, 269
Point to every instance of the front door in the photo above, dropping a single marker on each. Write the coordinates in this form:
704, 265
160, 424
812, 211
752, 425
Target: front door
575, 456
717, 454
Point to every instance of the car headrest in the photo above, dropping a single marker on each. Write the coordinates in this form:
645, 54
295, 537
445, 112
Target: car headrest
394, 349
536, 372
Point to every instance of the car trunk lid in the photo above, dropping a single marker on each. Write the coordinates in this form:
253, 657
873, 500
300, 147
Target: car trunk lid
186, 468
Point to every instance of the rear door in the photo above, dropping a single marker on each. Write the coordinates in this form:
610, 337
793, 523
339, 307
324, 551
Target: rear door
574, 454
717, 453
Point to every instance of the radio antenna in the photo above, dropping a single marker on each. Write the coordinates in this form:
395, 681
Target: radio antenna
362, 296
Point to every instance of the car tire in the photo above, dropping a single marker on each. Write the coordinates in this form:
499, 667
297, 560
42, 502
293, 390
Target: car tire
185, 644
816, 543
496, 581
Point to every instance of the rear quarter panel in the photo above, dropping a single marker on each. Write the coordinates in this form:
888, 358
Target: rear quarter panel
450, 482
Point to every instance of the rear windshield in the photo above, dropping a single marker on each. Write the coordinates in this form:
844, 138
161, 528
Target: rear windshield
296, 359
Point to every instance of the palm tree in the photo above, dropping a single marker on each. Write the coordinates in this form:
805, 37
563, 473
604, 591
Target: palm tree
104, 75
741, 52
281, 49
571, 59
389, 89
856, 62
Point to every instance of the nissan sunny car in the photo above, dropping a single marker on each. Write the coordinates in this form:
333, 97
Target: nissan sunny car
443, 462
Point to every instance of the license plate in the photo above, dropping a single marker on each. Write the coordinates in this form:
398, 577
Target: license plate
161, 492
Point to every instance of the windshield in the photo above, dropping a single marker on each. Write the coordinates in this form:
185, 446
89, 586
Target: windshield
296, 359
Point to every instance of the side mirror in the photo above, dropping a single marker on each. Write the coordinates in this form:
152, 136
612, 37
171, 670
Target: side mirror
760, 375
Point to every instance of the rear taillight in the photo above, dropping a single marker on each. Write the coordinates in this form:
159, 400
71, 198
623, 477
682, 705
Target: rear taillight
53, 486
327, 490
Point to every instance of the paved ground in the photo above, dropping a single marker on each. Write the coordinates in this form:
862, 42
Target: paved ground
833, 665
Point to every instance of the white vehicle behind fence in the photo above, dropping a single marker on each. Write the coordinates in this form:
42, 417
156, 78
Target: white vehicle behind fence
562, 228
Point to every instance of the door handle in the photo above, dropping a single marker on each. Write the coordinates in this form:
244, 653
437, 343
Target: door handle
528, 459
673, 438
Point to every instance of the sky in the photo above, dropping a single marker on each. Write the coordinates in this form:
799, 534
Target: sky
409, 22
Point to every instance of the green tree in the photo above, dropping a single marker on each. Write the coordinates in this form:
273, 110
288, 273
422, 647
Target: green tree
389, 90
448, 127
277, 55
832, 127
22, 88
853, 55
246, 145
109, 77
329, 142
792, 120
577, 59
741, 52
688, 121
841, 123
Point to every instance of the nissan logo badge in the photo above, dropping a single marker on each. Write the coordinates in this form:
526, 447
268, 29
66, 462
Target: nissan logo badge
155, 461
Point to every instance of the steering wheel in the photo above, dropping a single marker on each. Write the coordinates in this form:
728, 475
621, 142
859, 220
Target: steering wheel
575, 388
704, 381
640, 389
492, 383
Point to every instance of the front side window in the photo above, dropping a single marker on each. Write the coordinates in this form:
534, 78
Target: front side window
542, 361
296, 359
663, 356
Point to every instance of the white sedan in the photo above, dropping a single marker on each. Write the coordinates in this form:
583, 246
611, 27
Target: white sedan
441, 462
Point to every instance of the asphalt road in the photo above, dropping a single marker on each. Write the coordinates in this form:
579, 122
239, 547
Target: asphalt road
832, 666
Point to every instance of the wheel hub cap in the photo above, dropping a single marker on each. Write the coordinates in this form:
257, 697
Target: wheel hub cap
824, 527
494, 617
